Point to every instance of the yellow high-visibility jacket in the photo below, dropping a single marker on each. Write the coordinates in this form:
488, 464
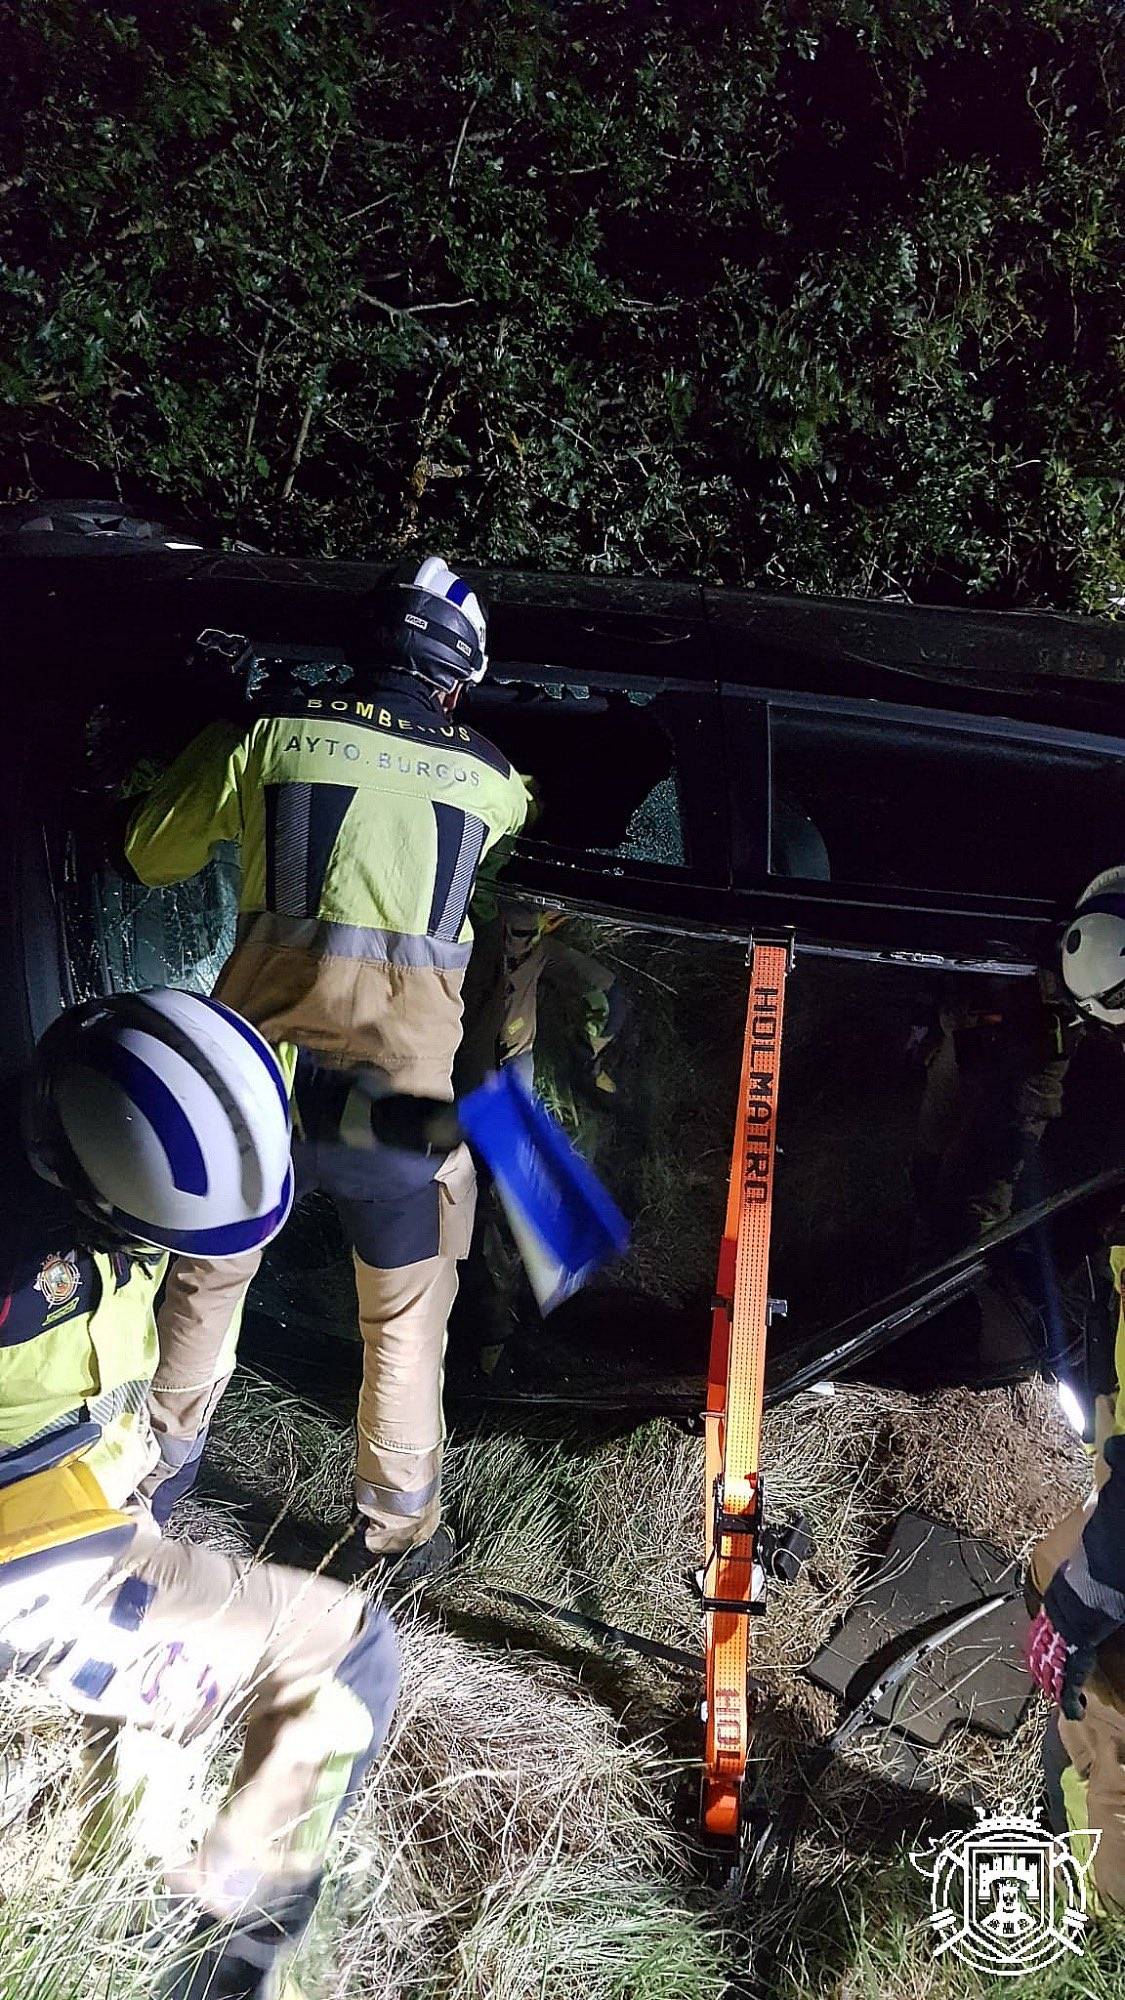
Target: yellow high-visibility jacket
1117, 1267
78, 1351
362, 824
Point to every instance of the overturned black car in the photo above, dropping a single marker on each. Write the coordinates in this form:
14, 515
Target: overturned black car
913, 795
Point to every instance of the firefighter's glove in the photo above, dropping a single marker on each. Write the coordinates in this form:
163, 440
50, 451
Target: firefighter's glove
415, 1124
1062, 1647
1057, 1669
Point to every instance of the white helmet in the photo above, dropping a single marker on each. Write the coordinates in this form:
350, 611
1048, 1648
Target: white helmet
165, 1116
1093, 949
431, 623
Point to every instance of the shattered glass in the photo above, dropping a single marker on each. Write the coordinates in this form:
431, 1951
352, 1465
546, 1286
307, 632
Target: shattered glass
655, 831
604, 765
121, 936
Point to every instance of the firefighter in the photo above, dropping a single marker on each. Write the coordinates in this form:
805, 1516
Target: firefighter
1076, 1648
995, 1070
152, 1122
536, 949
517, 948
362, 820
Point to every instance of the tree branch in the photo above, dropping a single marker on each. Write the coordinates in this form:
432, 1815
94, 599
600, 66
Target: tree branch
465, 123
259, 376
299, 446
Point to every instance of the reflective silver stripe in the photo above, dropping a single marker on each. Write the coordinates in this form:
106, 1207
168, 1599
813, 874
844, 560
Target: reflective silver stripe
63, 1423
175, 1453
128, 1399
327, 940
390, 1502
1090, 1590
291, 850
473, 835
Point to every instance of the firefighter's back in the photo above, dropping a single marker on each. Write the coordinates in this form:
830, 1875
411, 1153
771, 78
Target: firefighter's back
365, 821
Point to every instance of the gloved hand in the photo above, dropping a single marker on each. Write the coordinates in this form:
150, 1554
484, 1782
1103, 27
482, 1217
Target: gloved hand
1057, 1669
1062, 1646
416, 1124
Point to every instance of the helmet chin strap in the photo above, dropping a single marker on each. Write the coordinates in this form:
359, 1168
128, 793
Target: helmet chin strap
444, 698
97, 1232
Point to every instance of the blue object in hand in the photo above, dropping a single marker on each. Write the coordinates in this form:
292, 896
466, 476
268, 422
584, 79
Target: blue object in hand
565, 1224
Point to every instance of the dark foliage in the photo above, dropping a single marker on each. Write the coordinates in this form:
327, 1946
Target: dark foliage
820, 295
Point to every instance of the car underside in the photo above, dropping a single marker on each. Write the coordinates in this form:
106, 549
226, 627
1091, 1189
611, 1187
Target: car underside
910, 797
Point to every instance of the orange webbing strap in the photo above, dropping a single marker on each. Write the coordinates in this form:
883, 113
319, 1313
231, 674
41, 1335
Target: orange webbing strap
735, 1389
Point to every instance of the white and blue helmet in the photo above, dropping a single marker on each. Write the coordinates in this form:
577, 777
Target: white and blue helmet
430, 623
1093, 949
166, 1117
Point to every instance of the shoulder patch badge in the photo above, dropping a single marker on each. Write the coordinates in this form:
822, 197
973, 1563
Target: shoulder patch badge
58, 1280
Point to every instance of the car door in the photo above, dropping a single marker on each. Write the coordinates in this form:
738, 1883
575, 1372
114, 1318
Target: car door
875, 812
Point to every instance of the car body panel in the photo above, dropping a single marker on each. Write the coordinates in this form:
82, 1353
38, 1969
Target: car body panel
936, 711
963, 771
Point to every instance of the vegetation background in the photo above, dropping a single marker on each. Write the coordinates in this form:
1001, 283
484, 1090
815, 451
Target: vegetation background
821, 295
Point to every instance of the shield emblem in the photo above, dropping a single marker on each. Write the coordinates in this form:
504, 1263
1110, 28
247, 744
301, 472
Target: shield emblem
1009, 1891
1008, 1897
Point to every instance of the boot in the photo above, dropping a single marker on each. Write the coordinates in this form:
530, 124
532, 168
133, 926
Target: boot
419, 1564
394, 1569
247, 1961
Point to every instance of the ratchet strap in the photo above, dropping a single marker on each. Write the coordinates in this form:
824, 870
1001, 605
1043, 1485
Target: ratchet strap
732, 1591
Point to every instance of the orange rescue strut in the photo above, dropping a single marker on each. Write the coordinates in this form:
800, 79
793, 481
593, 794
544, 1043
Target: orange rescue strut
733, 1582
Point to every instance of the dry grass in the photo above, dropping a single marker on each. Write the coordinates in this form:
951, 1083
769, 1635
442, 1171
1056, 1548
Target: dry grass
506, 1797
520, 1840
612, 1525
997, 1464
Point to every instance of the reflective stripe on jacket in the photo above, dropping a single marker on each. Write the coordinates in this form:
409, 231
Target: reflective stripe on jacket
362, 824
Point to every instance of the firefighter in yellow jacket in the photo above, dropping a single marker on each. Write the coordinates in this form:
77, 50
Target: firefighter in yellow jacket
1076, 1648
153, 1122
362, 821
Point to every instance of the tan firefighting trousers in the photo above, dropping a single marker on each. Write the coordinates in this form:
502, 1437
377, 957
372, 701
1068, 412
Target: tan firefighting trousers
1095, 1745
129, 1629
1094, 1788
403, 1315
